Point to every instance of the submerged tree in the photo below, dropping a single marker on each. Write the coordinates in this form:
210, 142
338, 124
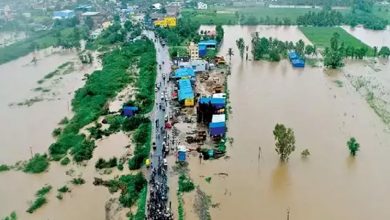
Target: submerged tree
285, 141
353, 146
333, 55
241, 46
230, 54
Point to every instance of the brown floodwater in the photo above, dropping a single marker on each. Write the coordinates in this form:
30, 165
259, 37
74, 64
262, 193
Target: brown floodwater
378, 38
329, 184
23, 127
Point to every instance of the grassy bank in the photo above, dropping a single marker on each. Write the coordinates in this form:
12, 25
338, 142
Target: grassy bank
320, 36
37, 41
141, 204
90, 101
40, 199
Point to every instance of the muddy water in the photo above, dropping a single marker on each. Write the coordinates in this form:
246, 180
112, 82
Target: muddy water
23, 127
327, 185
370, 37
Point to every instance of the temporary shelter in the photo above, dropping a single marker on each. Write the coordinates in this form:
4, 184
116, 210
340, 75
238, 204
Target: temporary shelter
217, 128
217, 103
181, 153
186, 93
298, 63
202, 50
184, 72
129, 111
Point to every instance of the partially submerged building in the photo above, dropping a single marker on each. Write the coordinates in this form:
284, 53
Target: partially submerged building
186, 93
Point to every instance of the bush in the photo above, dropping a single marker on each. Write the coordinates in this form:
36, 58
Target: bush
120, 166
64, 121
37, 164
63, 189
65, 161
11, 217
142, 139
40, 201
43, 191
4, 167
78, 181
56, 132
185, 184
133, 186
140, 214
101, 163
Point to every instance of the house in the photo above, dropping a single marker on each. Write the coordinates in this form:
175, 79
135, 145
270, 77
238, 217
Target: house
186, 94
65, 14
202, 50
193, 51
166, 22
202, 6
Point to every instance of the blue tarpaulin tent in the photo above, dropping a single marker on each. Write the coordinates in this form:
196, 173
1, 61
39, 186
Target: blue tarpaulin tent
181, 154
218, 103
184, 72
129, 111
217, 128
298, 63
293, 55
185, 90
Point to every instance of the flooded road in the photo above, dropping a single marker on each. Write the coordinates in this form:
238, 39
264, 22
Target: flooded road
329, 184
372, 38
25, 126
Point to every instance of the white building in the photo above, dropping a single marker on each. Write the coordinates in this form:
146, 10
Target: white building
202, 6
157, 6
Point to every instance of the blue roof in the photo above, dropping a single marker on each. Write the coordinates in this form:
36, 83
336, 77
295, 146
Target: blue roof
208, 43
185, 89
202, 47
213, 101
184, 72
298, 63
132, 108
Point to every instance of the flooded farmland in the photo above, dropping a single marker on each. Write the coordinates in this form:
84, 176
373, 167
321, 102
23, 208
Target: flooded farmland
378, 38
329, 184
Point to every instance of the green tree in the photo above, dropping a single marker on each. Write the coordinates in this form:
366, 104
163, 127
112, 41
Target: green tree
309, 49
353, 146
300, 47
230, 54
128, 25
285, 141
220, 33
333, 56
241, 46
384, 52
375, 51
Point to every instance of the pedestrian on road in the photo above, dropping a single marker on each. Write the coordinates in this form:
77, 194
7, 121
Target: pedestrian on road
200, 158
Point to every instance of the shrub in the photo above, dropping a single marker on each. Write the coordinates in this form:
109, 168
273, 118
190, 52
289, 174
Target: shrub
63, 189
11, 217
140, 214
64, 121
133, 186
4, 167
353, 146
59, 196
305, 153
142, 139
43, 191
65, 161
40, 201
78, 181
37, 164
56, 132
185, 184
101, 163
120, 166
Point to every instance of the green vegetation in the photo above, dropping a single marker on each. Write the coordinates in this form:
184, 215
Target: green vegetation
12, 216
42, 40
4, 167
40, 200
65, 161
63, 69
63, 189
142, 139
78, 181
285, 141
64, 121
178, 51
241, 46
185, 183
320, 36
43, 191
333, 56
208, 179
38, 164
102, 164
322, 18
141, 204
56, 132
180, 207
131, 187
305, 153
353, 146
274, 49
210, 17
90, 101
182, 34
